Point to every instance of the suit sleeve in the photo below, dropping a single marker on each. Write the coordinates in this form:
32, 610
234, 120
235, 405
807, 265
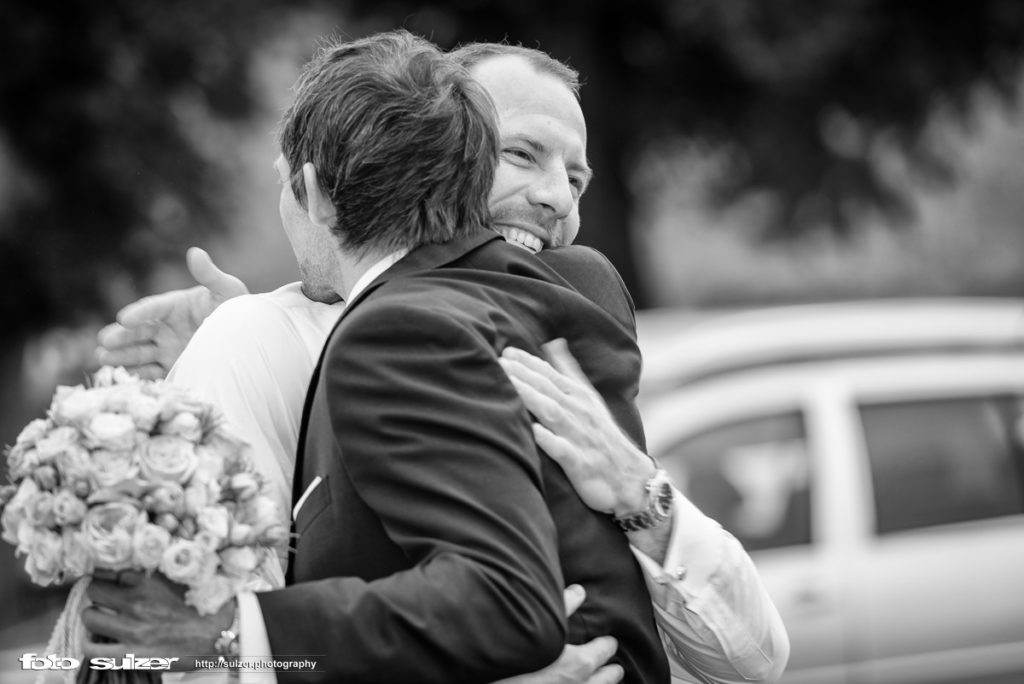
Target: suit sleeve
437, 444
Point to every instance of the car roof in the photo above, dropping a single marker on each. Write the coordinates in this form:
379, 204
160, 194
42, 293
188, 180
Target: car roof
772, 389
684, 346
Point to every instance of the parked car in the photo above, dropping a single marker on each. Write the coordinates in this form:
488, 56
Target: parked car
870, 456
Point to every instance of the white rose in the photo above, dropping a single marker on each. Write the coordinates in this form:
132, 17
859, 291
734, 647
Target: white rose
241, 535
112, 431
185, 425
175, 400
166, 497
45, 557
39, 510
166, 457
110, 376
34, 431
197, 497
145, 411
14, 512
239, 561
46, 477
245, 485
210, 464
68, 509
110, 468
262, 513
188, 562
208, 596
215, 520
208, 540
73, 463
109, 531
22, 461
149, 544
77, 556
58, 442
76, 405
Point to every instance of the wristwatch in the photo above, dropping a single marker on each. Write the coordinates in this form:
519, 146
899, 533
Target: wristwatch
659, 505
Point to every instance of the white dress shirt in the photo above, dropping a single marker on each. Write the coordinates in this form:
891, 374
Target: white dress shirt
715, 617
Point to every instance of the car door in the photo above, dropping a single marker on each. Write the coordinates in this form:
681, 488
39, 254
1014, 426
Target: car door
747, 452
938, 588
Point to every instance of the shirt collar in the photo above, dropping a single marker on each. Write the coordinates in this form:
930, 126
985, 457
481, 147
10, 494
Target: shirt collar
375, 270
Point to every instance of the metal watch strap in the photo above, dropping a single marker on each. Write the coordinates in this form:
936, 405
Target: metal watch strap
659, 505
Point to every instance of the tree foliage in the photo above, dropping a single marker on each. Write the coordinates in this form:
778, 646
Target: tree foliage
101, 177
803, 99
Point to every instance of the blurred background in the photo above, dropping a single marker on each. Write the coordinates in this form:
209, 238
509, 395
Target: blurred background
748, 155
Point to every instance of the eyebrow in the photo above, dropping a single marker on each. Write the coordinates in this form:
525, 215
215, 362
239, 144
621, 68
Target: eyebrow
541, 148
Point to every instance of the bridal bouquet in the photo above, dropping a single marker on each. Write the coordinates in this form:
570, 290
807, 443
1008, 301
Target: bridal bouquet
137, 474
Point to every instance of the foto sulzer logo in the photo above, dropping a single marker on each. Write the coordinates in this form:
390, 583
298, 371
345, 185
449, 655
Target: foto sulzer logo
34, 661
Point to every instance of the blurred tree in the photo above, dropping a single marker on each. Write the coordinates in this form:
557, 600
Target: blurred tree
102, 174
804, 98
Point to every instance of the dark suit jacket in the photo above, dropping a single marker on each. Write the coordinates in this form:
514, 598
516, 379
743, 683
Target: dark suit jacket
438, 543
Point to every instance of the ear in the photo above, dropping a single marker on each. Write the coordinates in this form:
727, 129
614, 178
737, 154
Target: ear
318, 205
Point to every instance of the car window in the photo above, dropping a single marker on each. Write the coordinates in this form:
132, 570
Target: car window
944, 461
751, 475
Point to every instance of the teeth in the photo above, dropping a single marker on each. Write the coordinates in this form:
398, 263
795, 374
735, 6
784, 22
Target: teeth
520, 238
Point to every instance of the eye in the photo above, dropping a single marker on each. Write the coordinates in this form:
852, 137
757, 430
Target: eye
578, 184
518, 153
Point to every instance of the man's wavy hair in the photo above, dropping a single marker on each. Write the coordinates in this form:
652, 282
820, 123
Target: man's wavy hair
471, 54
404, 142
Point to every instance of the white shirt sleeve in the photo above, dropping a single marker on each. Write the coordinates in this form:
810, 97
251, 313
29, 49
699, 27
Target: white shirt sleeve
248, 360
253, 642
713, 612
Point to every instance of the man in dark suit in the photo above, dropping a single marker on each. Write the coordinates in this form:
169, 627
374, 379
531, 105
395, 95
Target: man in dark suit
434, 538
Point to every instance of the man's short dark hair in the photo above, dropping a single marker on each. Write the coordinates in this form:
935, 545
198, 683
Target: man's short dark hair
404, 142
471, 54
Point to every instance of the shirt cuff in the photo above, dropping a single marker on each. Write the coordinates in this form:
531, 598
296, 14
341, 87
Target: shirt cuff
253, 642
694, 553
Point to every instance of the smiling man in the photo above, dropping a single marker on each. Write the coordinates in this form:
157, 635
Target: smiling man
719, 621
543, 171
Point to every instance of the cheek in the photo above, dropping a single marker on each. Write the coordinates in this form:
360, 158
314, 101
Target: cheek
507, 180
572, 225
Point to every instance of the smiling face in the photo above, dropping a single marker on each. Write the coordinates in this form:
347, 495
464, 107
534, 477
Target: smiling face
542, 170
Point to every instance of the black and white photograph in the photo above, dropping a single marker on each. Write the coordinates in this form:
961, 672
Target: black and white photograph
481, 341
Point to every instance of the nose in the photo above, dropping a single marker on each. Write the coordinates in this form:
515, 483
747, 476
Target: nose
552, 191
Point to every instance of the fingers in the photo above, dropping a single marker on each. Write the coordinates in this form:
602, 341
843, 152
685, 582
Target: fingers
559, 356
609, 674
109, 594
138, 355
115, 335
110, 625
586, 660
543, 406
559, 449
152, 308
573, 595
151, 371
539, 372
206, 273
